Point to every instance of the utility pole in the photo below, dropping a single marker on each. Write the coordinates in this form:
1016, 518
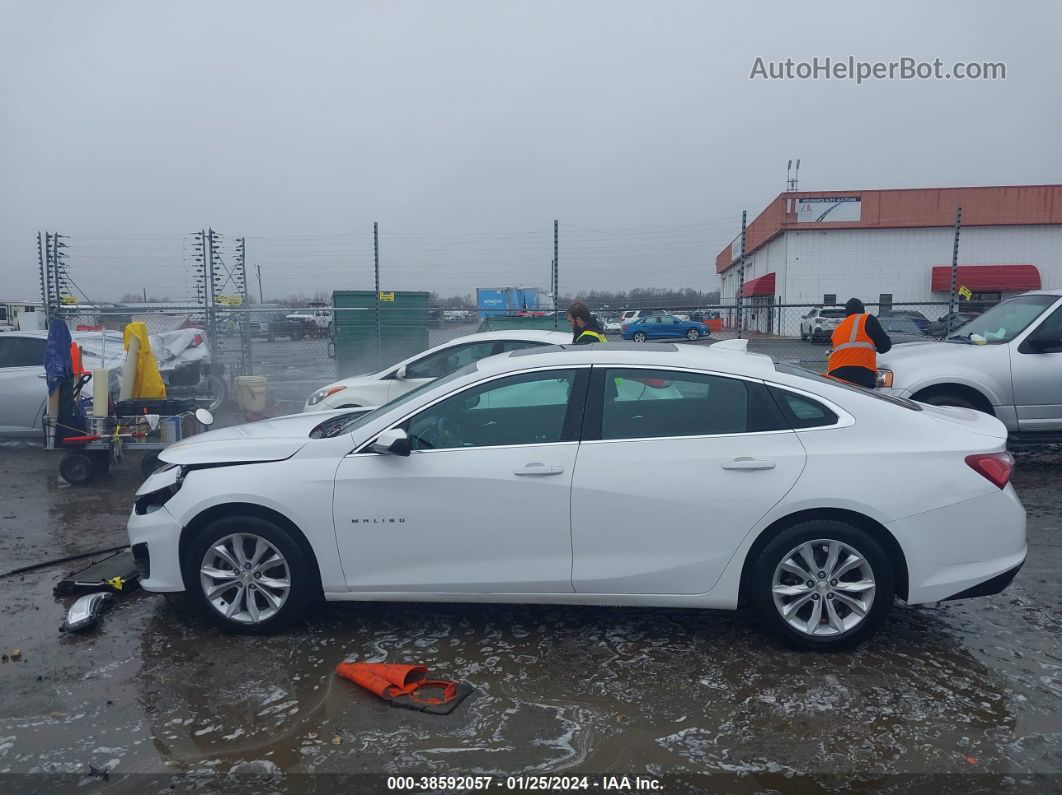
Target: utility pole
556, 275
954, 270
261, 297
376, 274
209, 294
741, 276
145, 293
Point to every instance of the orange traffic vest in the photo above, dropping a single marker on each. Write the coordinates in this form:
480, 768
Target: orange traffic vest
852, 347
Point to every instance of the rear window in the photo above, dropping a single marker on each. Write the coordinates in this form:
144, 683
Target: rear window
832, 313
791, 369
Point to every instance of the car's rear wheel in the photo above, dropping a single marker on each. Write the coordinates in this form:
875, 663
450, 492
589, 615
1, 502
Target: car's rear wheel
247, 575
639, 336
692, 335
823, 585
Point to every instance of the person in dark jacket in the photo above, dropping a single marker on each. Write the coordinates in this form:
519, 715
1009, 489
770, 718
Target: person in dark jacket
585, 329
857, 341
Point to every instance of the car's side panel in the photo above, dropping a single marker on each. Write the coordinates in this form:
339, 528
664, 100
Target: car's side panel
22, 395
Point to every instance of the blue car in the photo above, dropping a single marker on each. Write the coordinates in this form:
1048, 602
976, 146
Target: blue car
658, 327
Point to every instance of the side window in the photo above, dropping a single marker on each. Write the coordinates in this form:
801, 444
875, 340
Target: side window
22, 352
444, 362
521, 409
1053, 322
518, 345
641, 404
803, 412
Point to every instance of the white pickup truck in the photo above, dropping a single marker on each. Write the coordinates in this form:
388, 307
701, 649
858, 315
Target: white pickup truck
316, 320
1007, 362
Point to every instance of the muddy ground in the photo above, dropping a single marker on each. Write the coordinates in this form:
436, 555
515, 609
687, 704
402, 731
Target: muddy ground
968, 693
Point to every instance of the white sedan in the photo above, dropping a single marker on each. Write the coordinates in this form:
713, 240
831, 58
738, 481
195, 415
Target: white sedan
532, 477
374, 389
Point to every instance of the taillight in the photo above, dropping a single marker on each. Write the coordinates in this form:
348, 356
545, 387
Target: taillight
997, 467
197, 340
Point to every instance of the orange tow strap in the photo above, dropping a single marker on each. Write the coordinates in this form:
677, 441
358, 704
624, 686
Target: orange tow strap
399, 685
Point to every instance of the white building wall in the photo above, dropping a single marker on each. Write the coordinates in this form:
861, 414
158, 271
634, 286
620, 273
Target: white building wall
868, 262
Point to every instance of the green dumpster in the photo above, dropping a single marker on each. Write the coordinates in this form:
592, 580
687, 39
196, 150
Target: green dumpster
403, 329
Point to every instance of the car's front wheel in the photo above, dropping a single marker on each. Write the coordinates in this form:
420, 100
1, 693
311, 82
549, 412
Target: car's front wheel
692, 335
248, 575
639, 336
823, 585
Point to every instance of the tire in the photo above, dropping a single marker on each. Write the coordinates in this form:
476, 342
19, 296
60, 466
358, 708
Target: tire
693, 335
218, 390
639, 336
803, 336
148, 464
947, 399
274, 608
77, 469
845, 628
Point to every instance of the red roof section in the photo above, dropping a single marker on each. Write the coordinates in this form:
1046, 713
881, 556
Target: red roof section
764, 285
910, 208
987, 278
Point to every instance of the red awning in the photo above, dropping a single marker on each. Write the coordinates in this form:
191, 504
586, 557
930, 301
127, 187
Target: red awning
761, 286
988, 278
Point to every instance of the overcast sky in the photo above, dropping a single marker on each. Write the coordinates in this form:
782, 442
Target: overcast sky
465, 128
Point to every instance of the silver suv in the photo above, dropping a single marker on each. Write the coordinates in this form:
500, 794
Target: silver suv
1007, 362
818, 324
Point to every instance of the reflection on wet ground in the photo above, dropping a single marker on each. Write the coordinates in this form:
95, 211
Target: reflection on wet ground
964, 687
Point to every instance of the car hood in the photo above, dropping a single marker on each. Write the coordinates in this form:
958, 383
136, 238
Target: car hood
920, 351
267, 440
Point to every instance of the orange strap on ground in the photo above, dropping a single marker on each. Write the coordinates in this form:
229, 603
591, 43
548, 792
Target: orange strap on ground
390, 681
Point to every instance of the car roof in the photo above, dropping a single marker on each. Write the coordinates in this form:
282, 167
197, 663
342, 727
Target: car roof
523, 335
727, 356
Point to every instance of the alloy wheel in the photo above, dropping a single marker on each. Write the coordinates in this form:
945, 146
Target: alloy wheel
245, 578
823, 587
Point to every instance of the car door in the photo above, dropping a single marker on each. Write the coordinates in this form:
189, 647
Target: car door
437, 363
23, 391
697, 457
481, 504
1037, 377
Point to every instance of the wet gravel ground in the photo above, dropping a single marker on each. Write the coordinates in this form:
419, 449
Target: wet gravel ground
965, 696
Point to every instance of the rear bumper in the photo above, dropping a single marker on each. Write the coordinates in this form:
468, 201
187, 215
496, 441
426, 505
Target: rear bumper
962, 550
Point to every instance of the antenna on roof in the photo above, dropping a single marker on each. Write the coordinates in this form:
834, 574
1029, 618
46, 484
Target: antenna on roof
792, 176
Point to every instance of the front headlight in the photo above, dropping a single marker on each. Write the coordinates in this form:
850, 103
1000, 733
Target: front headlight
321, 394
884, 378
170, 479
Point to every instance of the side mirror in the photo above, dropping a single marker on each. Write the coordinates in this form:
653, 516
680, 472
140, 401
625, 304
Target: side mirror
400, 373
205, 418
392, 442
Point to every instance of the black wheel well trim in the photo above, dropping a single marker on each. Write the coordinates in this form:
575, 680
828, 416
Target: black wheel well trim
862, 521
959, 390
215, 512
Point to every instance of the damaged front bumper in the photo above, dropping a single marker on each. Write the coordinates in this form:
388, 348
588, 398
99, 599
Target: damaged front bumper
155, 538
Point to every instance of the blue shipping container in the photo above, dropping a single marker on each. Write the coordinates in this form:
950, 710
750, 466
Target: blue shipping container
505, 301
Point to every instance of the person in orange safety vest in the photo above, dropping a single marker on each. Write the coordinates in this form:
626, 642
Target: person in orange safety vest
857, 341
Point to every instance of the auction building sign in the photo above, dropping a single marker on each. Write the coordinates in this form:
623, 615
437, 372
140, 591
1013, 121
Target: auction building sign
829, 209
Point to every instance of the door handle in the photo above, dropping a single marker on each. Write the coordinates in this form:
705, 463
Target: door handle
538, 469
748, 463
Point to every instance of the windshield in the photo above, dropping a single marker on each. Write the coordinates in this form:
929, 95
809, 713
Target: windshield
1004, 321
899, 325
348, 423
792, 369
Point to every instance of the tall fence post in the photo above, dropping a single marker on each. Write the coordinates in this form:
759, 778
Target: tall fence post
556, 277
376, 274
954, 271
44, 274
741, 277
210, 298
248, 316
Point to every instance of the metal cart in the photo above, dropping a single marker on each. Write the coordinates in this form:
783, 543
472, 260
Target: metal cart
90, 453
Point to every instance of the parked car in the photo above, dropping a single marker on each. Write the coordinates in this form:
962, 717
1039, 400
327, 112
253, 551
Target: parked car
316, 320
493, 484
612, 326
374, 389
939, 328
634, 315
818, 324
1006, 362
901, 329
280, 325
659, 327
920, 320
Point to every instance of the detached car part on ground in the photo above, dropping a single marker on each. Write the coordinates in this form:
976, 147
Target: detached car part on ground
1006, 362
541, 475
